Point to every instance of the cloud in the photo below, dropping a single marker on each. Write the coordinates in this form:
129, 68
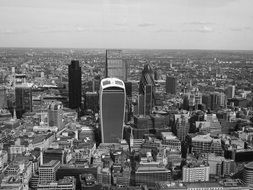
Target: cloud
240, 29
202, 29
165, 30
8, 31
205, 29
199, 23
146, 24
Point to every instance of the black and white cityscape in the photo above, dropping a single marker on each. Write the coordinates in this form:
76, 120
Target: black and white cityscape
126, 95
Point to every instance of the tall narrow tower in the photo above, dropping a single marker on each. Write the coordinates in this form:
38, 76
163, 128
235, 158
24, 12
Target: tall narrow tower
112, 109
74, 85
115, 65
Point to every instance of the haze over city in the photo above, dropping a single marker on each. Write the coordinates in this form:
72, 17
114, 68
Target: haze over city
146, 24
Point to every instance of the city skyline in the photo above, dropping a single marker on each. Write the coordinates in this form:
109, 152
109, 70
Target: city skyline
123, 24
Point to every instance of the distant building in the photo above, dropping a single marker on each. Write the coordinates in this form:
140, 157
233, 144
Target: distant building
196, 173
116, 67
55, 115
230, 91
23, 93
67, 183
92, 101
148, 99
201, 143
149, 175
75, 88
147, 78
171, 85
47, 172
3, 97
182, 126
112, 109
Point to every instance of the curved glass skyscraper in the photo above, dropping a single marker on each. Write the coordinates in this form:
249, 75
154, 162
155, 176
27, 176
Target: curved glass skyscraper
112, 109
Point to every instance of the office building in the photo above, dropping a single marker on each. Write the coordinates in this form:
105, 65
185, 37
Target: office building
3, 97
248, 173
75, 84
147, 78
230, 91
53, 154
47, 172
140, 105
196, 173
148, 99
115, 67
149, 175
171, 84
201, 143
55, 115
182, 126
92, 101
112, 114
23, 94
67, 183
129, 89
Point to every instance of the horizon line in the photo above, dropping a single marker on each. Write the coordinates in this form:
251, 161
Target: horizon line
103, 48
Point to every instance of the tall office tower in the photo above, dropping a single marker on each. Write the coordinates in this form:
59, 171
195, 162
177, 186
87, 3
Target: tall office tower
91, 101
147, 78
47, 172
112, 109
55, 114
171, 85
182, 126
218, 100
23, 94
128, 86
116, 67
140, 104
230, 92
148, 100
75, 90
3, 97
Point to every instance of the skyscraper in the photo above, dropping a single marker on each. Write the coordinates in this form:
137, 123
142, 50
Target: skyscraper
148, 99
3, 97
75, 90
112, 109
147, 79
23, 96
55, 114
171, 85
115, 66
230, 91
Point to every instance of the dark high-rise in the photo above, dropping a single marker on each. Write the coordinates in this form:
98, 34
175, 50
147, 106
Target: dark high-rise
23, 93
171, 85
147, 79
148, 100
74, 85
112, 109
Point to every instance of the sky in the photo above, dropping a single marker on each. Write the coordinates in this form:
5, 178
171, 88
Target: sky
145, 24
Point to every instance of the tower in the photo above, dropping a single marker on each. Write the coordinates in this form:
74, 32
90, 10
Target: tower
55, 114
171, 85
112, 109
23, 99
74, 72
115, 66
148, 99
147, 78
230, 92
